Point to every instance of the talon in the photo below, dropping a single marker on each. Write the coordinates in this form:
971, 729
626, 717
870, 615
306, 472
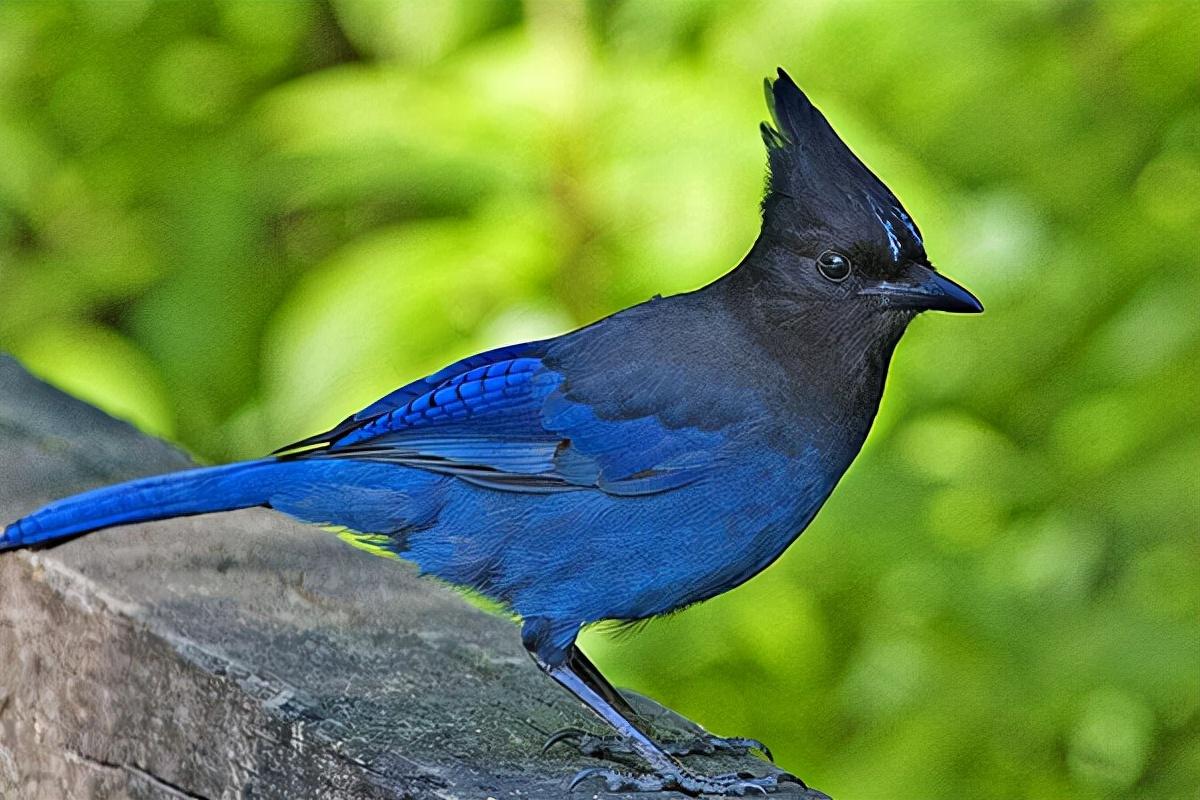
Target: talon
587, 774
738, 743
787, 777
562, 736
619, 782
755, 744
733, 784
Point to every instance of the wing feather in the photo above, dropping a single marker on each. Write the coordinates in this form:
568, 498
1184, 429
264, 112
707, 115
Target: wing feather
413, 390
510, 424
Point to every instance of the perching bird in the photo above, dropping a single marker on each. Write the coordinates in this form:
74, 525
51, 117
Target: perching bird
651, 460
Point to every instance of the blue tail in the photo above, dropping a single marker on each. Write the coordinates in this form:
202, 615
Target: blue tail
197, 491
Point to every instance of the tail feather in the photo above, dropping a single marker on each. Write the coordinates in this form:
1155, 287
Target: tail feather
197, 491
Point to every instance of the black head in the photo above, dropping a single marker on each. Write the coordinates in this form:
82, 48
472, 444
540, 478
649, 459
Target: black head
832, 227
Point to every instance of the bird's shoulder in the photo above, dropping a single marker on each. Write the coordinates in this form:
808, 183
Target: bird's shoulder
685, 359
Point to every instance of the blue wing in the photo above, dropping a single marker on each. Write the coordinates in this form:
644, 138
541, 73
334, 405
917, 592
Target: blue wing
411, 391
504, 420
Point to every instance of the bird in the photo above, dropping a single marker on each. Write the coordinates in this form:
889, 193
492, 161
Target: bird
622, 471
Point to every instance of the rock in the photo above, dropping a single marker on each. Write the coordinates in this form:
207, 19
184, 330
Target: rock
245, 655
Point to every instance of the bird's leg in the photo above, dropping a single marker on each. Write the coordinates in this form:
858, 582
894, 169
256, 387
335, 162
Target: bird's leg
591, 675
589, 686
608, 746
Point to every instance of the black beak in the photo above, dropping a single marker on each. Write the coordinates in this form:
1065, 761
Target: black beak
923, 289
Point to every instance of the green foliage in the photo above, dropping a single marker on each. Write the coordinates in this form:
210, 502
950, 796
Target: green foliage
234, 223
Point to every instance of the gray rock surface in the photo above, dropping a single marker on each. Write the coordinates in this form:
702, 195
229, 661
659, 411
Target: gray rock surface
244, 655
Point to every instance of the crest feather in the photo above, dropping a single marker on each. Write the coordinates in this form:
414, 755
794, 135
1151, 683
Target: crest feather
810, 164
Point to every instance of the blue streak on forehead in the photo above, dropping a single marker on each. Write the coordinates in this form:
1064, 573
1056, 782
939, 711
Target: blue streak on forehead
908, 223
893, 240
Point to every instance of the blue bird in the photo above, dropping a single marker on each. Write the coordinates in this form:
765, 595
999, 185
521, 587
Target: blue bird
651, 460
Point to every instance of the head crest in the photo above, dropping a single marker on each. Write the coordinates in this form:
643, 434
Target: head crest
811, 165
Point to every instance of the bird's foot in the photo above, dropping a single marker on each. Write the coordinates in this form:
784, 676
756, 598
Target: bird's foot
734, 784
608, 746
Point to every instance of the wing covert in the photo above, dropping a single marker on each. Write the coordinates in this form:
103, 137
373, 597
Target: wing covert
510, 423
411, 391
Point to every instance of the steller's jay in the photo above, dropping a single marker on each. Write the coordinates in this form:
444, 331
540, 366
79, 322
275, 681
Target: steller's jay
648, 461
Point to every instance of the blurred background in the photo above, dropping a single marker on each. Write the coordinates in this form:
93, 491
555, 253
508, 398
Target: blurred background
234, 223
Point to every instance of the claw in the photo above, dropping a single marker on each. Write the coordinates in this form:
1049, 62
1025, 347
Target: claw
616, 781
787, 777
609, 746
586, 774
737, 784
561, 736
737, 743
744, 783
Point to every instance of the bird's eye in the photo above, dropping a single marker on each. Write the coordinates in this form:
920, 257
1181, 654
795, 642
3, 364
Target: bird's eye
834, 266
